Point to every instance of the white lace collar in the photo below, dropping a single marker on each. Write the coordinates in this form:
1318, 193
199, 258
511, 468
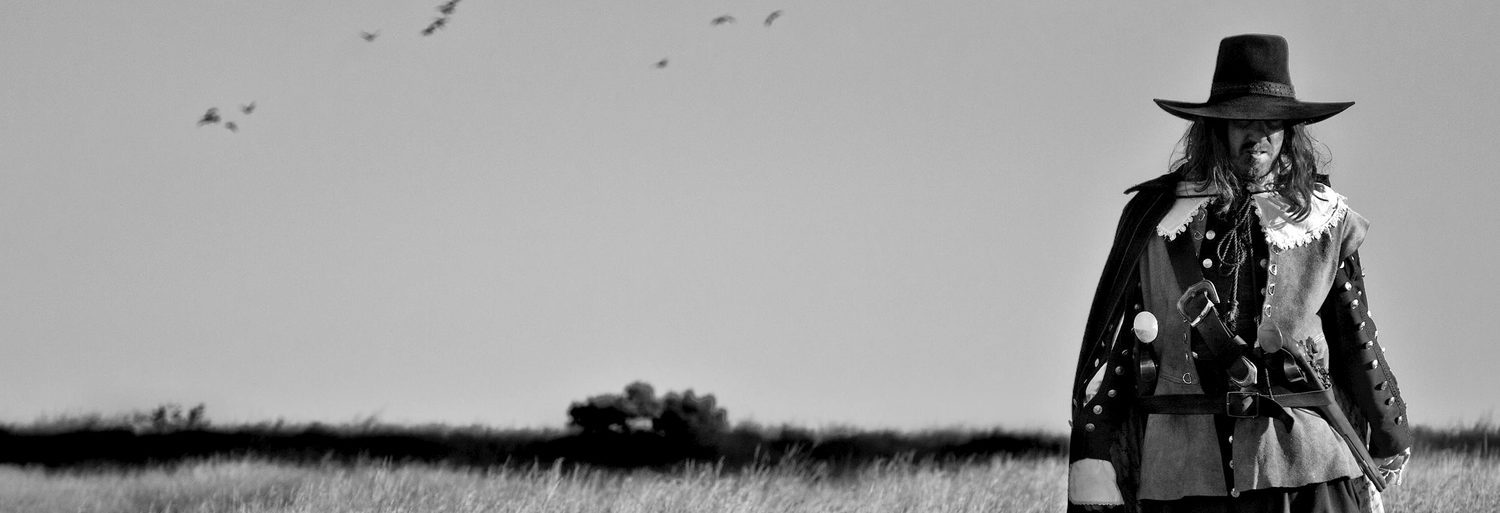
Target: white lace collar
1326, 210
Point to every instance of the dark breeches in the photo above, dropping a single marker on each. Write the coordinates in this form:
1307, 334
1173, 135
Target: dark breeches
1337, 496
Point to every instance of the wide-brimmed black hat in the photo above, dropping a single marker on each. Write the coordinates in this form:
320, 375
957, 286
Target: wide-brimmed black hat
1251, 81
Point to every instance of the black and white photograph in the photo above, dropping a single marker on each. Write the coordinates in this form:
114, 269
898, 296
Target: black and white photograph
752, 256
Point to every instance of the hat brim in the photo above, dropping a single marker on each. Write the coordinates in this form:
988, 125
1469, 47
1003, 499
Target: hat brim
1253, 106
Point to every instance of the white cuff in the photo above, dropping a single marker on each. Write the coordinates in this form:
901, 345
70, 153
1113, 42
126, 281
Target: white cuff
1092, 482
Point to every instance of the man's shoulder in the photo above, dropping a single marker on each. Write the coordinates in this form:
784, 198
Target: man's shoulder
1163, 183
1152, 194
1152, 199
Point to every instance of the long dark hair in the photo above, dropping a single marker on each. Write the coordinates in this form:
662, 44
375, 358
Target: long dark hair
1204, 156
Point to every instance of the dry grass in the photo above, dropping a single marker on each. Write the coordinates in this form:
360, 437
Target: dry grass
1448, 481
1442, 482
247, 486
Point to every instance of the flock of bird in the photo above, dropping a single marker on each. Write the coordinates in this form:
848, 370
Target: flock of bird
724, 20
212, 117
441, 21
770, 18
446, 10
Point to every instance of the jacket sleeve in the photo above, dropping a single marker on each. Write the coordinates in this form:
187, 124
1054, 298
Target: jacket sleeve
1357, 362
1104, 457
1104, 396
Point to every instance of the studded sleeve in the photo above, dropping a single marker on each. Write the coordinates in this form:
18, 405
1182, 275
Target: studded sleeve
1105, 398
1104, 463
1357, 362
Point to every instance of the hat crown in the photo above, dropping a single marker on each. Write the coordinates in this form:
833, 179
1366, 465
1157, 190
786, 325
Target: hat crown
1251, 81
1252, 64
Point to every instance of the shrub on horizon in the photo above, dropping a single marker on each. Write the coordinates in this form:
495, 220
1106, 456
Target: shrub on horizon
682, 416
169, 417
691, 417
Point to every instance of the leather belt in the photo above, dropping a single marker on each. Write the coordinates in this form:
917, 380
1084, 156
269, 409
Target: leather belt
1234, 404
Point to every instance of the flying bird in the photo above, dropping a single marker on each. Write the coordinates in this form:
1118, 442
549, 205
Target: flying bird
210, 117
369, 36
447, 9
232, 127
772, 17
436, 24
661, 64
722, 20
248, 108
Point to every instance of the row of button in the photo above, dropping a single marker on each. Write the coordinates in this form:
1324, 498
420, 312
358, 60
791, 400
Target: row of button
1374, 362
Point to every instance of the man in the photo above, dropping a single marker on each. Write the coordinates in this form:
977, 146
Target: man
1230, 362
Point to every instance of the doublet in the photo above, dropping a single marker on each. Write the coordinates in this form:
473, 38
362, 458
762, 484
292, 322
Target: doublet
1307, 289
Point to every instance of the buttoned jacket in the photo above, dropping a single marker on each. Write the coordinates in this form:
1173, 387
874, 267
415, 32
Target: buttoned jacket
1314, 298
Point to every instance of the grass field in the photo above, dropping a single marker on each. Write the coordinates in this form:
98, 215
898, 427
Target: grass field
1439, 482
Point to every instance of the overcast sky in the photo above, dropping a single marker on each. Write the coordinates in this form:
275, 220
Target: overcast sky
871, 213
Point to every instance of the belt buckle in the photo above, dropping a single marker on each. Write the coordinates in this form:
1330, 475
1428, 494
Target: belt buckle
1242, 405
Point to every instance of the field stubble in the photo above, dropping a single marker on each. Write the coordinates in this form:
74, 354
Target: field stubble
1439, 482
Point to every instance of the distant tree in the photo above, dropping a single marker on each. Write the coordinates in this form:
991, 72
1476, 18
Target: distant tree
169, 417
691, 417
631, 412
640, 400
598, 414
198, 417
682, 416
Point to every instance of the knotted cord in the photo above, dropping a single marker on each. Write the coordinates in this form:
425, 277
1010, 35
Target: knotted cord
1234, 250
